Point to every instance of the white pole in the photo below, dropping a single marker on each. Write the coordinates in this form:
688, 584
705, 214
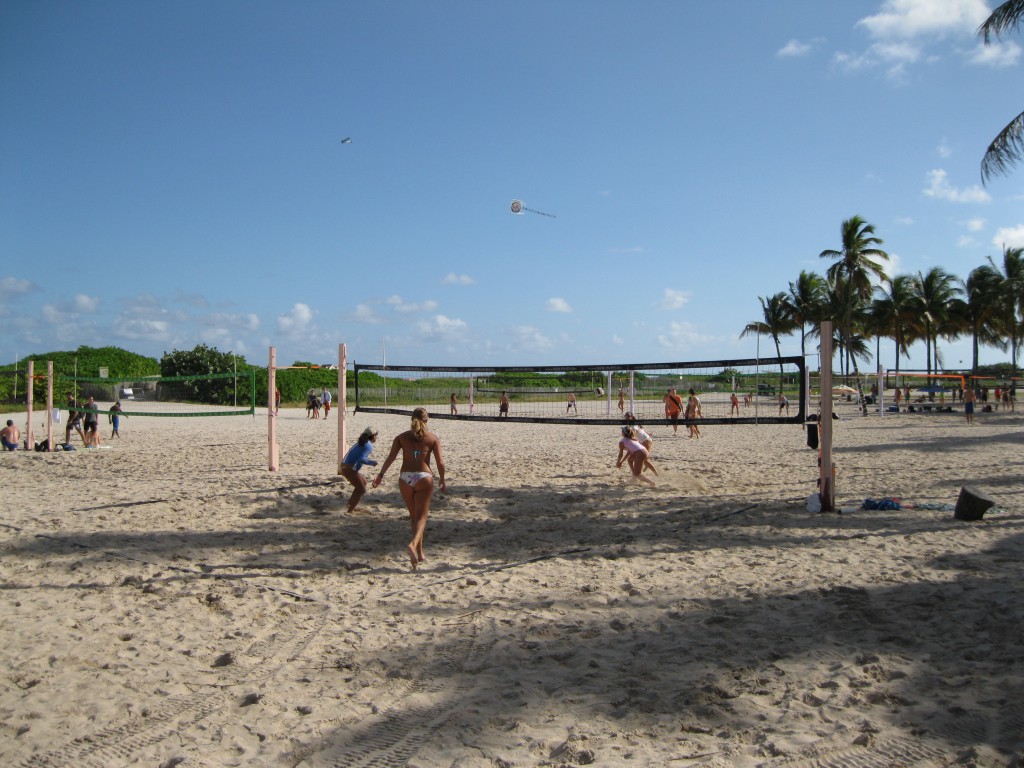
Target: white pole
273, 454
827, 491
49, 405
342, 400
29, 436
384, 363
632, 382
881, 391
470, 394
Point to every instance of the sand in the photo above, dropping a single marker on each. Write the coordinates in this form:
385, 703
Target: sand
168, 601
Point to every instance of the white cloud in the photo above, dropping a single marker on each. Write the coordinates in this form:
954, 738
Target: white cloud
529, 338
892, 267
191, 299
926, 18
1009, 237
940, 188
558, 305
966, 241
794, 48
673, 299
902, 29
400, 305
943, 149
85, 304
441, 328
975, 225
141, 329
296, 321
682, 337
452, 279
228, 320
364, 313
52, 314
13, 286
996, 54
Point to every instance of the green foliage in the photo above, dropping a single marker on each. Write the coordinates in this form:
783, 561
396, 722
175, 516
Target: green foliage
87, 361
200, 361
726, 375
294, 383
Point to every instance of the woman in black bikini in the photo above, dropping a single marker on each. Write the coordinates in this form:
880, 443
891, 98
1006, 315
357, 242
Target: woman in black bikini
416, 480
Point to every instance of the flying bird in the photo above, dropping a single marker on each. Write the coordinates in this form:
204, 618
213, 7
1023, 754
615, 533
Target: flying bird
346, 140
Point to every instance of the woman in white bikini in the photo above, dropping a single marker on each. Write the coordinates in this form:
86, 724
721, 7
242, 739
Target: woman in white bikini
416, 480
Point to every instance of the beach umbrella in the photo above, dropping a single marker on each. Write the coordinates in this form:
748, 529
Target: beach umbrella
843, 389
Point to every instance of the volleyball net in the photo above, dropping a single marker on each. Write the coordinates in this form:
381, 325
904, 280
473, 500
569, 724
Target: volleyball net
215, 394
729, 391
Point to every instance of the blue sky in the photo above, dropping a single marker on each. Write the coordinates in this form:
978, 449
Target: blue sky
173, 173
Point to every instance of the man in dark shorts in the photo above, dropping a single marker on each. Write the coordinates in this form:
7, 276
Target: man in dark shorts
91, 425
74, 421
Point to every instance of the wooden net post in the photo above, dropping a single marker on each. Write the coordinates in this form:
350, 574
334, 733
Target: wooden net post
29, 435
826, 490
273, 455
342, 400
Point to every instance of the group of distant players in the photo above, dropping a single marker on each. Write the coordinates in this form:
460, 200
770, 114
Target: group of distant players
315, 402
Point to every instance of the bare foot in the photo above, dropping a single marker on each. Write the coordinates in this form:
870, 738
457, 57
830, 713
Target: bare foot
413, 557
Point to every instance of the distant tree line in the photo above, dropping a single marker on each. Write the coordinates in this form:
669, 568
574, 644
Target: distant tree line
865, 304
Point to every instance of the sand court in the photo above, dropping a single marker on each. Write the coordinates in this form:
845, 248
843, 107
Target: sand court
168, 601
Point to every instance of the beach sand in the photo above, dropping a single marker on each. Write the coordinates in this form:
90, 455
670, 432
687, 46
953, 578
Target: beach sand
168, 601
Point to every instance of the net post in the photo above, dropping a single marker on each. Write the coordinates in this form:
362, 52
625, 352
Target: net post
29, 436
272, 452
342, 400
826, 491
881, 392
49, 405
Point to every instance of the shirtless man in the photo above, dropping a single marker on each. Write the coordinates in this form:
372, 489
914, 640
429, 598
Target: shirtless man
734, 404
673, 407
10, 436
570, 402
503, 406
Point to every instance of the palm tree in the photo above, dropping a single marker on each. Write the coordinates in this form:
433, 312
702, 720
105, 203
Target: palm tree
854, 270
893, 312
1008, 291
777, 322
933, 292
1006, 149
982, 310
805, 304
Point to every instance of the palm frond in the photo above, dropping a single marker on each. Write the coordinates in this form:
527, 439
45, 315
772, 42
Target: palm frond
1004, 18
1005, 151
